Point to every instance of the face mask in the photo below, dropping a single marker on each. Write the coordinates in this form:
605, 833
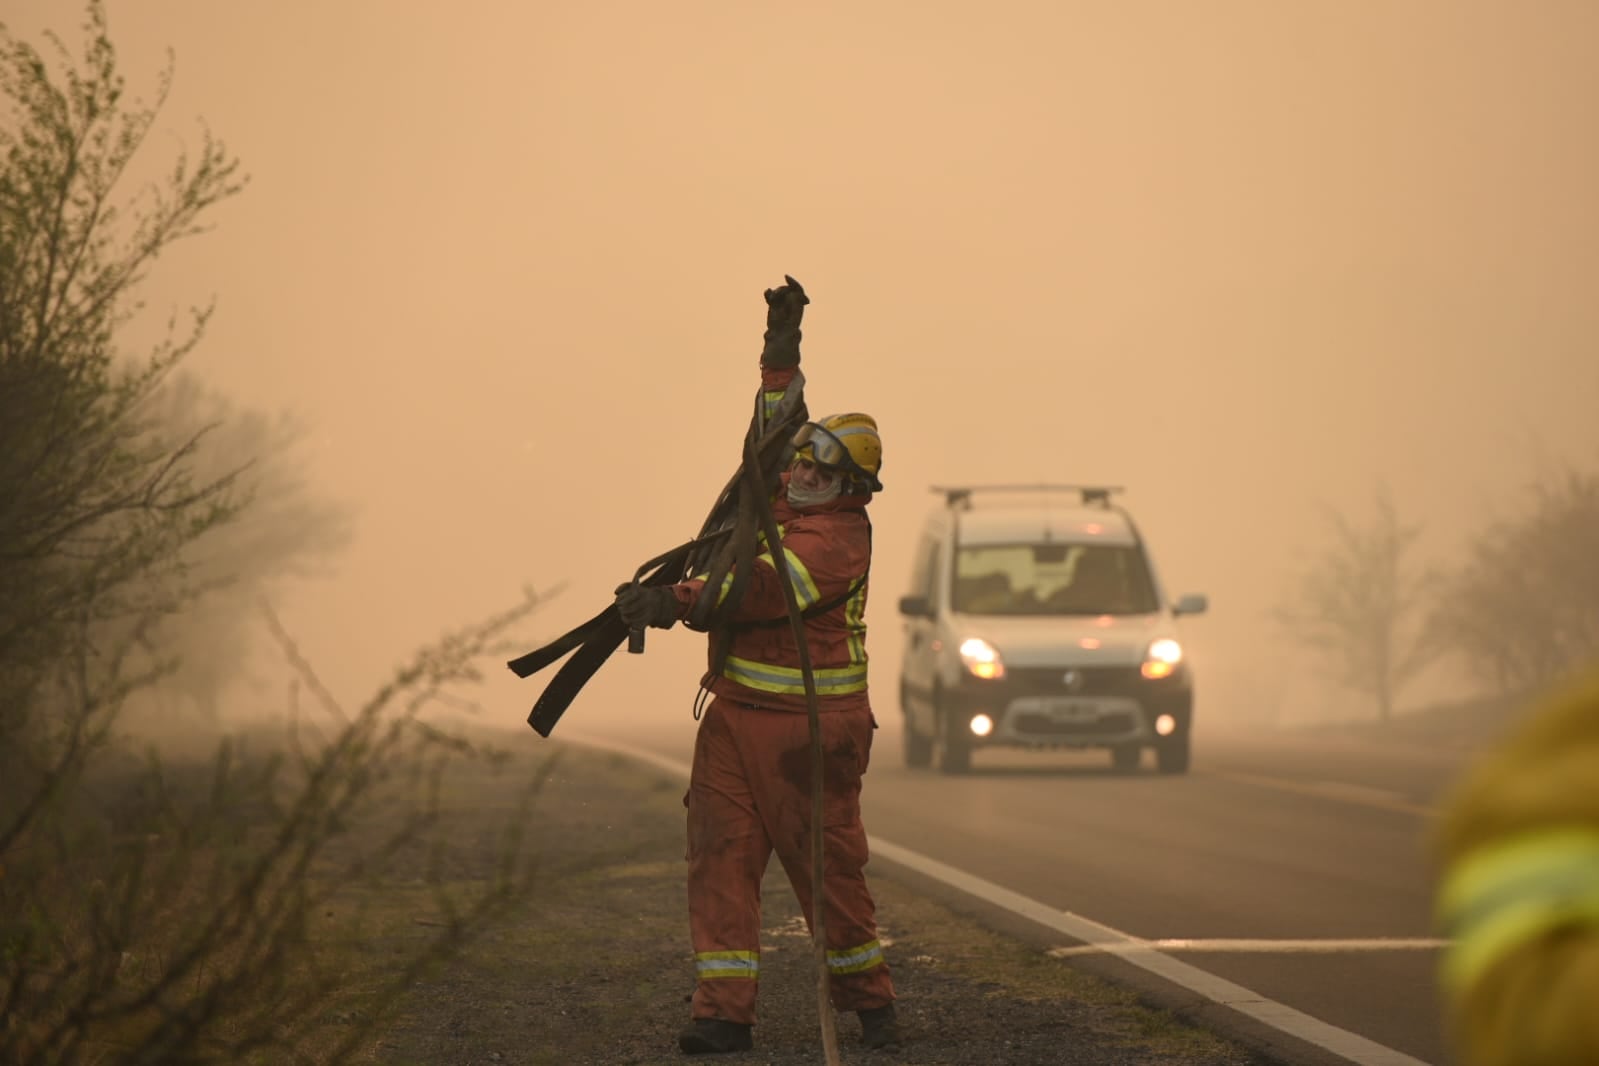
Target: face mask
802, 498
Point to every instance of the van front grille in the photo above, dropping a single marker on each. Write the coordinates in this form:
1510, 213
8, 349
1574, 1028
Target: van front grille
1090, 681
1034, 724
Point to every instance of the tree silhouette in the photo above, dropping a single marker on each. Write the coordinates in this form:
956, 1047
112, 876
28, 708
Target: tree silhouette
1359, 607
1524, 608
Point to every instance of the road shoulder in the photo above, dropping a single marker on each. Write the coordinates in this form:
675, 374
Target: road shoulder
597, 967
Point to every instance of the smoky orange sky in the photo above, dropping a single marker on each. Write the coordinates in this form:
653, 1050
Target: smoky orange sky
1248, 259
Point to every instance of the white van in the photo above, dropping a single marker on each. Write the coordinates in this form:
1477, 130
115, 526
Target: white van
1037, 620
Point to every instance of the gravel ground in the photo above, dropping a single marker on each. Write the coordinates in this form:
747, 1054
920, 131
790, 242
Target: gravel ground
598, 969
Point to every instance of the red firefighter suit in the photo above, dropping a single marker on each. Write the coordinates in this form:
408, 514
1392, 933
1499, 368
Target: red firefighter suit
750, 788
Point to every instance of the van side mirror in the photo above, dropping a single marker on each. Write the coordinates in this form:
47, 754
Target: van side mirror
1193, 603
915, 607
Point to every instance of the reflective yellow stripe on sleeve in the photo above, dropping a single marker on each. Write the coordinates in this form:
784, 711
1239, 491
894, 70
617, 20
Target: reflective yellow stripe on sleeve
769, 402
805, 590
727, 580
717, 965
1505, 894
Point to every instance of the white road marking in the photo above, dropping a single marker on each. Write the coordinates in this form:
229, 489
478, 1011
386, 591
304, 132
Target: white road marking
1246, 946
1098, 937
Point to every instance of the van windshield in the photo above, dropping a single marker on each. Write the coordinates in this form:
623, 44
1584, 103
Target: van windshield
1052, 579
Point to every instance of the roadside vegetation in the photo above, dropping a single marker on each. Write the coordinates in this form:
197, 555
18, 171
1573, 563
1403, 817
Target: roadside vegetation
1518, 612
156, 910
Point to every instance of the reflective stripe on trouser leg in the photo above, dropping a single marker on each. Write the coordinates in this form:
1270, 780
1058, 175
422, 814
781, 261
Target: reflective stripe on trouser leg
856, 959
776, 745
724, 965
727, 854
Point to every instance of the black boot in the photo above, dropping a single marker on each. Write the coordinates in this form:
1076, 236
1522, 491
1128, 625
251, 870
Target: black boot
880, 1028
713, 1036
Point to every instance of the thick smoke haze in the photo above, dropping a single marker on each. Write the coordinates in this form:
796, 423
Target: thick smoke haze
1248, 259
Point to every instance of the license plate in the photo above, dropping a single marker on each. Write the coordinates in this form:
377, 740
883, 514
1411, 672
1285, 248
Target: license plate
1072, 710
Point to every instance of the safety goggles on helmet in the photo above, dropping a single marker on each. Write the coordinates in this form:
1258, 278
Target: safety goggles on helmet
819, 444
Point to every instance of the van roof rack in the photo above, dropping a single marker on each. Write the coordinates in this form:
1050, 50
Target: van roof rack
1091, 495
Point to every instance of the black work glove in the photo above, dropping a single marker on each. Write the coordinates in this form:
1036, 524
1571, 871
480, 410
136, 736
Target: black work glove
646, 605
785, 306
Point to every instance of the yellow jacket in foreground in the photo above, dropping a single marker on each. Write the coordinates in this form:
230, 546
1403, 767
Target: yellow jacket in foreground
1519, 894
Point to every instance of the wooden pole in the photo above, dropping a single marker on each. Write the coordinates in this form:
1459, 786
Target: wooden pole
774, 544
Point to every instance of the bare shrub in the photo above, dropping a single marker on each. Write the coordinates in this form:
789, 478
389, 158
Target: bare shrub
166, 914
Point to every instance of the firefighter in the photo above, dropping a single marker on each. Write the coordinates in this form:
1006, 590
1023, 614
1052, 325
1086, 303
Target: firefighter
750, 786
1519, 895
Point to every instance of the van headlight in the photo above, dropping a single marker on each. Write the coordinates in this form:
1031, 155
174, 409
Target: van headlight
1162, 658
981, 659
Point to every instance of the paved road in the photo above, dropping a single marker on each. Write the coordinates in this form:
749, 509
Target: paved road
1299, 865
1287, 844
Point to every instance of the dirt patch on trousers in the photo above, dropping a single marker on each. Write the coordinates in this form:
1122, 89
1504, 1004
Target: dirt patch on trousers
597, 968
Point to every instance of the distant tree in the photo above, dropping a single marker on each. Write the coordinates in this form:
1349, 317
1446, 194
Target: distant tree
282, 530
1524, 608
1359, 608
97, 499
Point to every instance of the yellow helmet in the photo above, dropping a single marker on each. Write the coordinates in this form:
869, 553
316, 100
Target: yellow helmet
848, 442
